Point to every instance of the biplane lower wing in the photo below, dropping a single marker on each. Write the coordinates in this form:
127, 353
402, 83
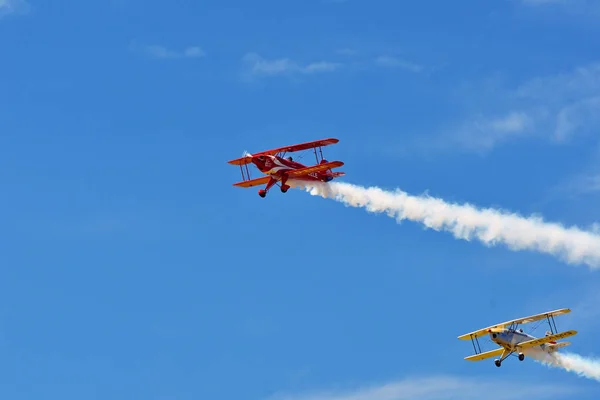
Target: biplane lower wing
287, 149
485, 355
253, 182
525, 320
317, 168
546, 339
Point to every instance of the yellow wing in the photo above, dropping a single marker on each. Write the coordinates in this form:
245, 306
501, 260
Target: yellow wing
546, 339
487, 354
525, 320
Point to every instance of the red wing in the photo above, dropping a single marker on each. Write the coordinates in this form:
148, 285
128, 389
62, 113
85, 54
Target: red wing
307, 145
315, 168
240, 161
253, 182
287, 149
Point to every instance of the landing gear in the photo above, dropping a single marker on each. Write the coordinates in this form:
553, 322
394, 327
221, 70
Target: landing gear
263, 192
521, 356
497, 362
284, 187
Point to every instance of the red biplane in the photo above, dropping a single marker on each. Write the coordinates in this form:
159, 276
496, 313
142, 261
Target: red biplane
280, 169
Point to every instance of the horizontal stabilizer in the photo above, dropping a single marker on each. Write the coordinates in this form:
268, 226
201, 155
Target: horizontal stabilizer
487, 354
554, 347
546, 339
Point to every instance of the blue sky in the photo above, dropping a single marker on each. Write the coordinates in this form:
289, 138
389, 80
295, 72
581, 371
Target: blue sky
132, 268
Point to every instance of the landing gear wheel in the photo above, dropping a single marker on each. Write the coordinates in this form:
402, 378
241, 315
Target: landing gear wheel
498, 363
262, 193
284, 189
521, 357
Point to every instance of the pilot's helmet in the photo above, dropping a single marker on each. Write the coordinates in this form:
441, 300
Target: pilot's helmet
290, 158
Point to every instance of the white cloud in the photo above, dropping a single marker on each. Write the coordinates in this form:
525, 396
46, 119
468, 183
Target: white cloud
579, 116
582, 81
257, 65
443, 388
555, 107
581, 184
13, 7
574, 8
283, 66
482, 133
543, 2
395, 62
162, 52
346, 52
571, 100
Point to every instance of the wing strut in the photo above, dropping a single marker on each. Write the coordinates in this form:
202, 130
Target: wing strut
474, 340
320, 152
245, 176
552, 324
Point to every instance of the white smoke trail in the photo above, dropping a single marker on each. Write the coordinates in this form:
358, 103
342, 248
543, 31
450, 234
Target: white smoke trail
582, 366
490, 226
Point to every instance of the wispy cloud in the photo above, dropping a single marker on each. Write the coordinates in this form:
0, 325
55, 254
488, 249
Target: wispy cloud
285, 66
569, 101
483, 133
443, 388
13, 7
583, 183
587, 183
543, 2
162, 52
258, 65
579, 8
555, 107
395, 62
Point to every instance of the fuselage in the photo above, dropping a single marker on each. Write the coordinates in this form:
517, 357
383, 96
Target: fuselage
277, 167
511, 338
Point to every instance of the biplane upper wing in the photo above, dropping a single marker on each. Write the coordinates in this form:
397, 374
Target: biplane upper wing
286, 149
487, 354
316, 168
240, 161
525, 320
253, 182
546, 339
480, 332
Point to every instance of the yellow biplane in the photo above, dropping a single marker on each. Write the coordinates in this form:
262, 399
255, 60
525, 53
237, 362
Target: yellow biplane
511, 339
